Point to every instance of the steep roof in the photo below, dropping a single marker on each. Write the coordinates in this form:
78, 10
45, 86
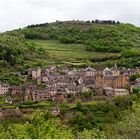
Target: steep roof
115, 67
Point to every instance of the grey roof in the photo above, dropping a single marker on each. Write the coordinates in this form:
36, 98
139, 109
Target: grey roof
115, 67
138, 80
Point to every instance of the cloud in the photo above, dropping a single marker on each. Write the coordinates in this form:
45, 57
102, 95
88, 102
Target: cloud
20, 13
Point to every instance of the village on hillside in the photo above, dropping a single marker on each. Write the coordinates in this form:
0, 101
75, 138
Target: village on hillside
59, 83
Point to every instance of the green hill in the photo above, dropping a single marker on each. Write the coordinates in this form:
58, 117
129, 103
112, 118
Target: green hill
15, 49
80, 42
15, 55
97, 35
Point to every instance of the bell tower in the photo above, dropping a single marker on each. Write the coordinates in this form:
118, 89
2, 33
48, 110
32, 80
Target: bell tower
115, 70
99, 81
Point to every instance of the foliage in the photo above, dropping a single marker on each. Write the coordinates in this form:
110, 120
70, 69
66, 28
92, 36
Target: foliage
14, 49
91, 134
66, 39
87, 121
136, 90
97, 37
123, 102
100, 37
133, 77
42, 126
122, 39
130, 53
129, 127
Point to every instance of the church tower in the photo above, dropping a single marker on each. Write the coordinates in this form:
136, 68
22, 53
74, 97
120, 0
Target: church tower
99, 82
115, 71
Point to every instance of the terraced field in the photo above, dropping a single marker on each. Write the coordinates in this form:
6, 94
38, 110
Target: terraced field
68, 53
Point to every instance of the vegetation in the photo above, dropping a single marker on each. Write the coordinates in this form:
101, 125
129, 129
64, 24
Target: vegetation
81, 44
74, 42
90, 120
133, 77
14, 50
96, 37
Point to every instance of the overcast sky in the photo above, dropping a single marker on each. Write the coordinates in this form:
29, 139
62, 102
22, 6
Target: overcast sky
20, 13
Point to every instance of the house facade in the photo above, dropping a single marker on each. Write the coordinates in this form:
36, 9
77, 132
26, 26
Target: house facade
4, 89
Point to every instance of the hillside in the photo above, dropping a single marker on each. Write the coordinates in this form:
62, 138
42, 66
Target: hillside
100, 35
84, 43
123, 40
15, 55
60, 102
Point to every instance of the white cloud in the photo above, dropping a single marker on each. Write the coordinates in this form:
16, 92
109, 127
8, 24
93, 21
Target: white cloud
20, 13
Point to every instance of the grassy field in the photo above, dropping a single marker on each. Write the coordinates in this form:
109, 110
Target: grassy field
68, 53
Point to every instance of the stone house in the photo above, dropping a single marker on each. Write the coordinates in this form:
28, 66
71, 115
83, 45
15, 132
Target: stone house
130, 71
8, 100
109, 91
34, 73
52, 90
137, 80
43, 78
28, 93
90, 72
72, 89
86, 72
15, 90
82, 88
37, 95
136, 84
120, 92
89, 82
55, 111
4, 89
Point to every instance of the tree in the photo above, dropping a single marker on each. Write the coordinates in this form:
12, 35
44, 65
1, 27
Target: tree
78, 106
133, 77
67, 39
39, 126
123, 102
129, 127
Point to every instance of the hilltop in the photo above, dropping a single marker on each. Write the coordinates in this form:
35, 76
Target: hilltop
96, 36
80, 43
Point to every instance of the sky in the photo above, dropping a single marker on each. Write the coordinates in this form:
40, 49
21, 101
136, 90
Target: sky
20, 13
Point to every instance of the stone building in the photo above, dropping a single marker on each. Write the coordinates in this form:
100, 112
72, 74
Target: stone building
131, 71
4, 88
109, 91
114, 71
55, 111
15, 90
37, 95
110, 78
136, 85
34, 73
120, 92
87, 72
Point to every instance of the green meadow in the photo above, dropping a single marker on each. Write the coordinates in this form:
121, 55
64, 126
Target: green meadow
68, 53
